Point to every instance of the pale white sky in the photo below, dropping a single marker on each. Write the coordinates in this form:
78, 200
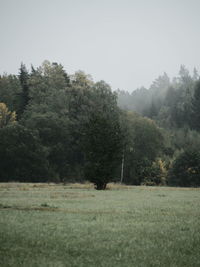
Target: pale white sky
127, 43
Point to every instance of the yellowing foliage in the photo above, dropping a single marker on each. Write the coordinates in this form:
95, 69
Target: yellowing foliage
6, 116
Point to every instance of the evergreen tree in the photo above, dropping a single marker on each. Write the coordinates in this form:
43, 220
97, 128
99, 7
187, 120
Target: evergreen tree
24, 96
102, 149
103, 139
196, 107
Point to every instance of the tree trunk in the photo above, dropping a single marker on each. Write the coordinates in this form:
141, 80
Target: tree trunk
100, 186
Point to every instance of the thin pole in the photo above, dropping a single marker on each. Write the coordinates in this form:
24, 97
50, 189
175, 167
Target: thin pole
122, 169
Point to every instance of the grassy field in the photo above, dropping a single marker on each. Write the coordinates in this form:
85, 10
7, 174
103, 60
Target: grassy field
74, 225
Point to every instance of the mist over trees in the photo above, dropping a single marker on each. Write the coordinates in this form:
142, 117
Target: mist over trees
65, 128
174, 105
171, 103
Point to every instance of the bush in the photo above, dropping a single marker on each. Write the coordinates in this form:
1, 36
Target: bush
186, 169
156, 174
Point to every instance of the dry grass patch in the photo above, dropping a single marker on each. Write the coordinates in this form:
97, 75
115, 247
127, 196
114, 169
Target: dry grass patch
70, 195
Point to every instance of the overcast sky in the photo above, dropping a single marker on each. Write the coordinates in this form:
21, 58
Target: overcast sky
127, 43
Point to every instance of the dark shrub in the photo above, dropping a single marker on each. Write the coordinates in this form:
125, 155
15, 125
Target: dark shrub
186, 169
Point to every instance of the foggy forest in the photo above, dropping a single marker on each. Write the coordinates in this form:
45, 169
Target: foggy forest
100, 133
61, 127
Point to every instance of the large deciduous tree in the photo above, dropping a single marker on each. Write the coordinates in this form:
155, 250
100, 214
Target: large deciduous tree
22, 156
10, 90
143, 142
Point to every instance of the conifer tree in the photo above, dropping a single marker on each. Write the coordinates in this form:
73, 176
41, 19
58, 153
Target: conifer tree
196, 107
24, 95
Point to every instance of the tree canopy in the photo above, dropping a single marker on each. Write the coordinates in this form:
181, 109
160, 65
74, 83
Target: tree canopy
79, 129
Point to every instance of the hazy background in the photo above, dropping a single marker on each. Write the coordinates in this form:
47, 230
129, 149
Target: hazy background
126, 43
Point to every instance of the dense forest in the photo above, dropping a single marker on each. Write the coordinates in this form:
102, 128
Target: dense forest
57, 127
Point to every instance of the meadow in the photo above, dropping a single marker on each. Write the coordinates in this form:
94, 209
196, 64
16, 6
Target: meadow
75, 225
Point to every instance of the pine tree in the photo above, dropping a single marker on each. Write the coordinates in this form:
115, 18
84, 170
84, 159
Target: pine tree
196, 107
24, 96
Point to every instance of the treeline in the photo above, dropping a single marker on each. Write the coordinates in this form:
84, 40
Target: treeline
65, 128
175, 107
171, 103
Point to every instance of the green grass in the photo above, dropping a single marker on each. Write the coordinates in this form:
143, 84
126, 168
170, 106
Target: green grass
74, 225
